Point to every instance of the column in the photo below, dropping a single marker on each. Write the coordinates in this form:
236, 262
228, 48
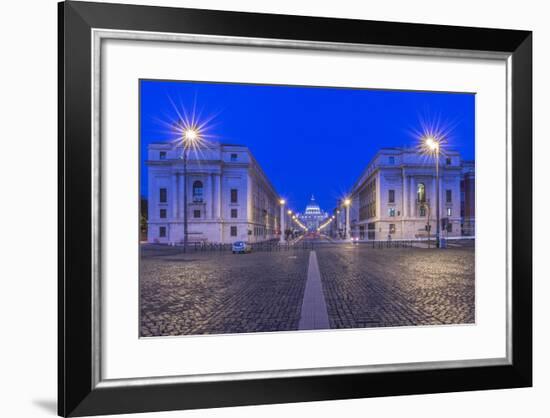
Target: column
212, 196
218, 196
412, 200
180, 195
433, 200
208, 206
218, 203
405, 200
177, 196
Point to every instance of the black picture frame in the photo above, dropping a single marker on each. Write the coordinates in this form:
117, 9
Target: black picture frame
77, 393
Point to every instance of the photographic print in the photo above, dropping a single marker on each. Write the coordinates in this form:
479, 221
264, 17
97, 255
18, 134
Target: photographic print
292, 208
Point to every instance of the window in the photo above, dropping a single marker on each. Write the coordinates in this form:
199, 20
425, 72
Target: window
449, 211
449, 196
391, 211
234, 157
163, 196
162, 231
421, 193
391, 160
162, 155
196, 213
233, 231
448, 161
392, 228
391, 196
234, 196
422, 210
197, 191
163, 213
234, 213
449, 227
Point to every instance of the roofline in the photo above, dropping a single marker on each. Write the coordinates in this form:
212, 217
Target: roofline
403, 150
221, 145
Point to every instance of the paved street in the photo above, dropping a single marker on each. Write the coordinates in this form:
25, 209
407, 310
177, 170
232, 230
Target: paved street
220, 292
215, 292
367, 287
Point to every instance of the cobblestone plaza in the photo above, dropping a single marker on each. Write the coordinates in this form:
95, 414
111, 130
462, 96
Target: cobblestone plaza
212, 292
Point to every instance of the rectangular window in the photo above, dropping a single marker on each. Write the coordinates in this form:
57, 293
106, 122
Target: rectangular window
234, 157
448, 161
391, 211
162, 231
163, 196
392, 228
234, 213
391, 196
234, 196
449, 196
197, 213
163, 213
162, 155
449, 227
233, 231
449, 211
391, 160
422, 211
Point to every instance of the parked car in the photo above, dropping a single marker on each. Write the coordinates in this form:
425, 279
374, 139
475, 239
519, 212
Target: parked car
241, 247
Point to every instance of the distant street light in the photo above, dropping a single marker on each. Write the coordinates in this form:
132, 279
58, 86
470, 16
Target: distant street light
347, 204
432, 146
282, 203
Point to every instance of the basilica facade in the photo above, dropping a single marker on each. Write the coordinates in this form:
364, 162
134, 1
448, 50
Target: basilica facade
229, 198
395, 197
313, 216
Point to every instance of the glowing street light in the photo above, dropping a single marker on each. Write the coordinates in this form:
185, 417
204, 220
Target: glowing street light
432, 146
190, 138
190, 134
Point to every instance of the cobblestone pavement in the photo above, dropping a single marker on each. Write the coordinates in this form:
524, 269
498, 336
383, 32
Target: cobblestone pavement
367, 287
220, 292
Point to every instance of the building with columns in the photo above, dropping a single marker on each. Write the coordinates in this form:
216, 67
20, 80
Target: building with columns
313, 216
395, 196
229, 197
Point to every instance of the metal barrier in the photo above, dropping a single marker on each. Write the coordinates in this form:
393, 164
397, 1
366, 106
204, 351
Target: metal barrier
391, 243
264, 246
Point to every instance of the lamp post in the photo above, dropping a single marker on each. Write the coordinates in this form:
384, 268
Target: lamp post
189, 137
290, 227
347, 204
433, 146
338, 235
282, 203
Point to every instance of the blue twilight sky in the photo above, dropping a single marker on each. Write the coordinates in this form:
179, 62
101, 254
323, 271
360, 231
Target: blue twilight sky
308, 140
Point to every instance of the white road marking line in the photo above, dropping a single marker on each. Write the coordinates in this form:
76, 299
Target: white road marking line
314, 308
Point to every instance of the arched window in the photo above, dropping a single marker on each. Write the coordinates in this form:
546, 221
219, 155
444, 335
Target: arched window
197, 191
421, 193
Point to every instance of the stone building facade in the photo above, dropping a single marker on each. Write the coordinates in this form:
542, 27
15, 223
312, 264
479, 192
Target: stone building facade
229, 198
395, 197
468, 198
